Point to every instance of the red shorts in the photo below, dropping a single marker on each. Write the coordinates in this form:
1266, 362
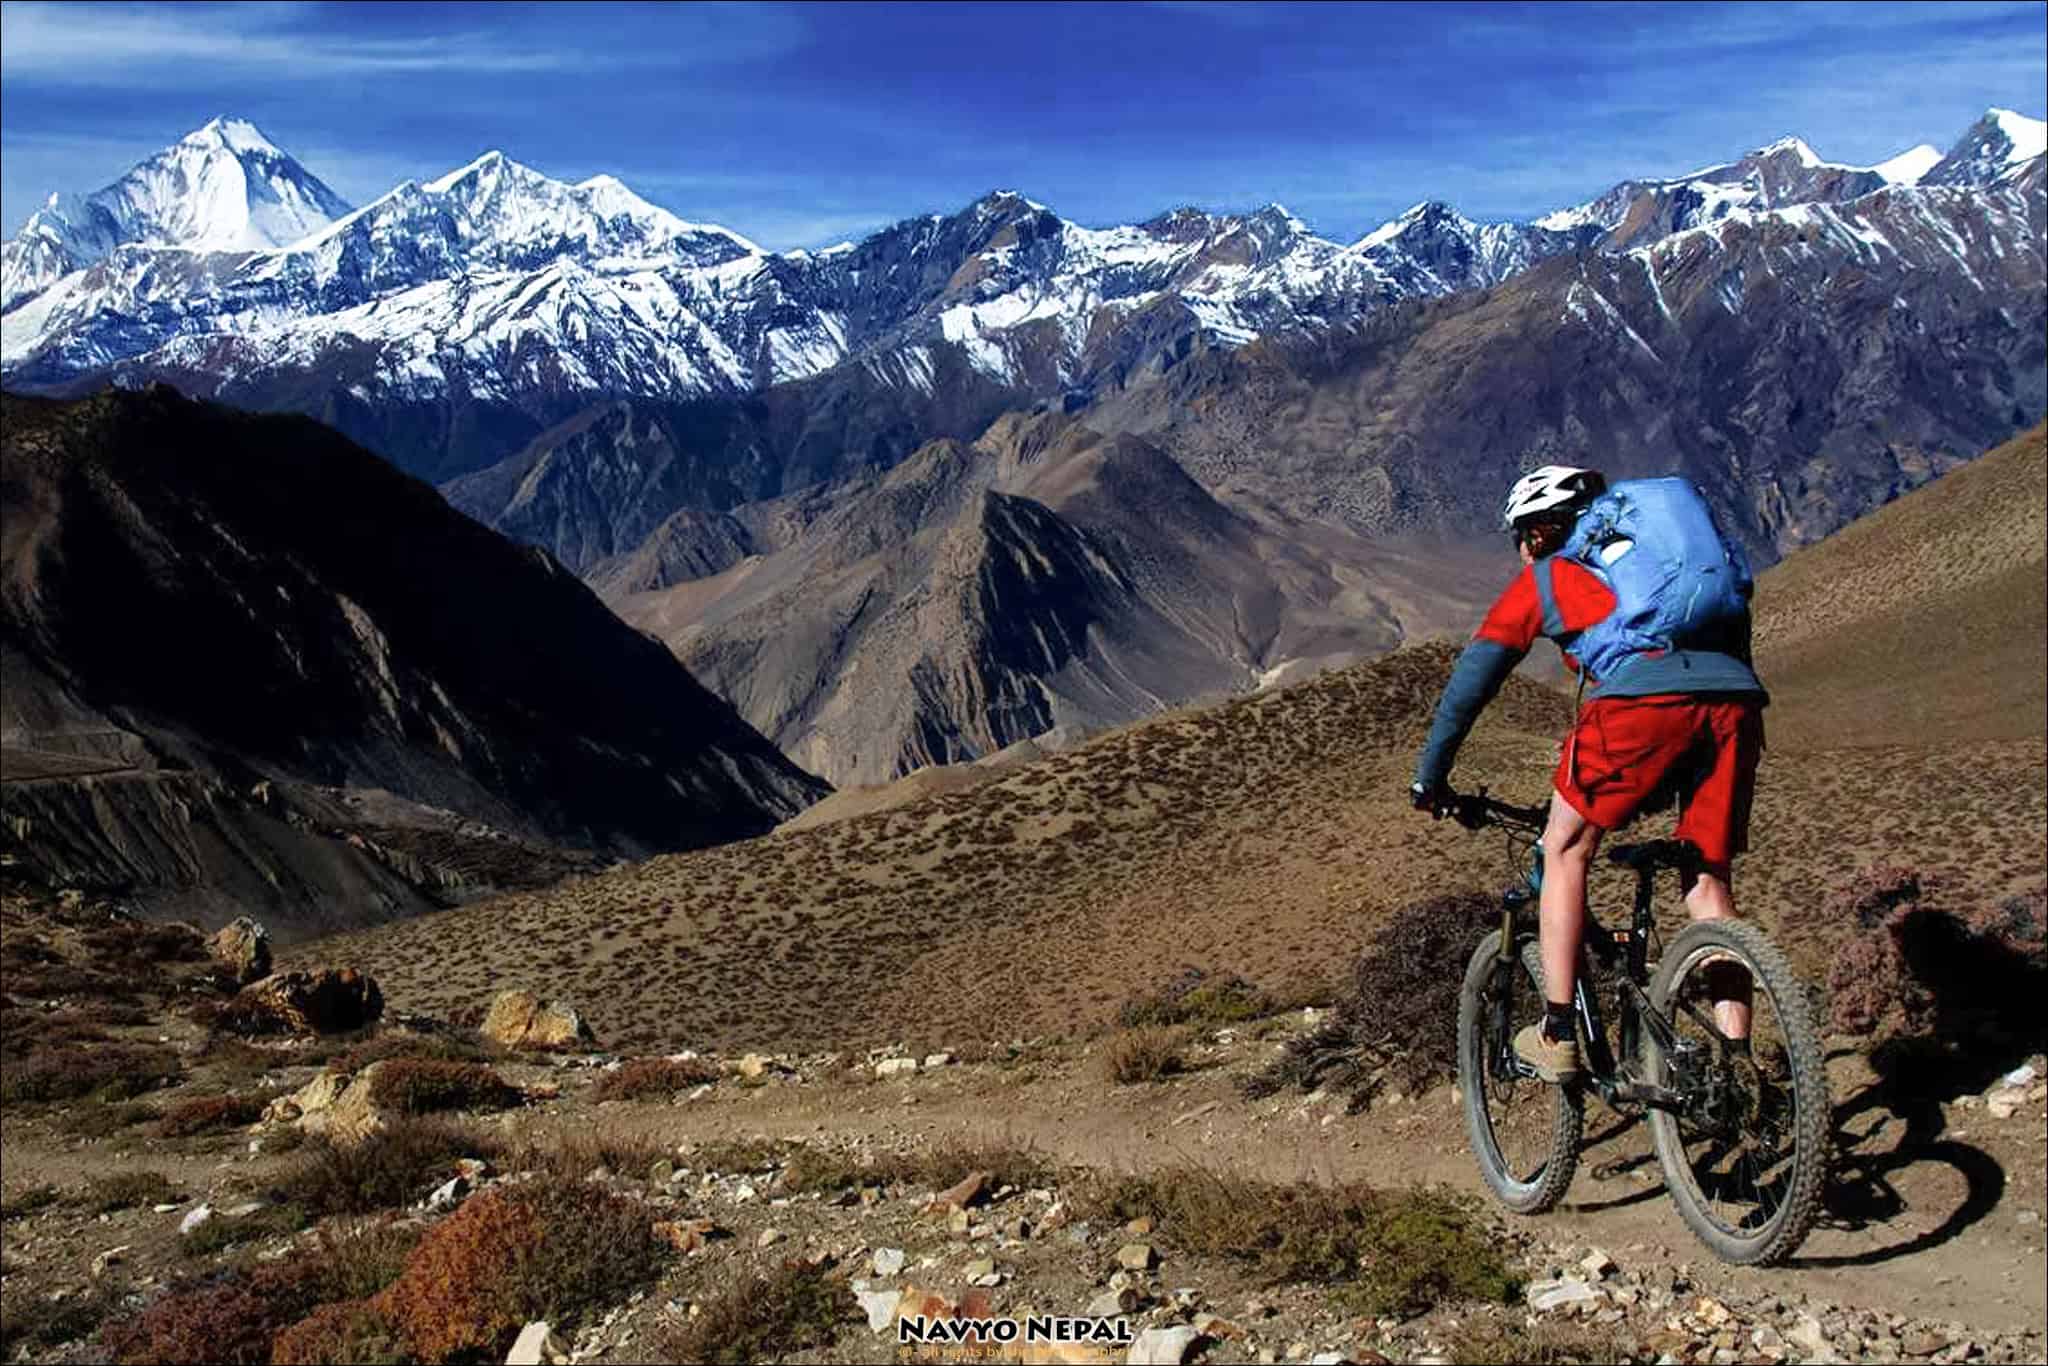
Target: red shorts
1629, 754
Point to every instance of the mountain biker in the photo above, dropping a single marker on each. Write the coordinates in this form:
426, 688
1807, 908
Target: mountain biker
1685, 722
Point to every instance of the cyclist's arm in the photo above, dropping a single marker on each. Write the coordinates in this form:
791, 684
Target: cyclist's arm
1476, 678
1497, 647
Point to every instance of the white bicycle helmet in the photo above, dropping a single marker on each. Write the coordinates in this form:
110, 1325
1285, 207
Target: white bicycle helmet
1550, 488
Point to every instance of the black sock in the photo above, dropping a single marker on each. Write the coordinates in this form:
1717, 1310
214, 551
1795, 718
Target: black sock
1557, 1022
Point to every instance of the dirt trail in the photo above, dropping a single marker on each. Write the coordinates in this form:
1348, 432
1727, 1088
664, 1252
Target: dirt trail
1946, 1236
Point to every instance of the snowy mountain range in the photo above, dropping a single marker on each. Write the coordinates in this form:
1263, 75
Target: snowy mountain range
227, 268
979, 475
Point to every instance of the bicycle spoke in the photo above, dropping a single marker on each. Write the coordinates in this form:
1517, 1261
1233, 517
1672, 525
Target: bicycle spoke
1518, 1105
1739, 1108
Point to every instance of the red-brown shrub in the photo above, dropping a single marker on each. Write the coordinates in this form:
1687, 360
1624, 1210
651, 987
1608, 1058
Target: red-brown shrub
208, 1113
660, 1078
227, 1322
1920, 967
237, 1316
352, 1330
547, 1248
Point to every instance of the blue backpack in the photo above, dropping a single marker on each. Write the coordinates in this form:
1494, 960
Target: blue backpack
1678, 582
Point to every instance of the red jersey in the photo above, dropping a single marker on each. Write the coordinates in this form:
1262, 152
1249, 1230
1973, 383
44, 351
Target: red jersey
1516, 620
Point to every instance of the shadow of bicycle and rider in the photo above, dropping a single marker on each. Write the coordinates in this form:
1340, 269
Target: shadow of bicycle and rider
1894, 1126
1891, 1126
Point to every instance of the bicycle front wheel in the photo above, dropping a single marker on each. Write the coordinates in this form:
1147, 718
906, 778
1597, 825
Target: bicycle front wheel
1524, 1131
1745, 1154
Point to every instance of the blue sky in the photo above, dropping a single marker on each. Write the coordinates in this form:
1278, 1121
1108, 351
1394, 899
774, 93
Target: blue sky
799, 125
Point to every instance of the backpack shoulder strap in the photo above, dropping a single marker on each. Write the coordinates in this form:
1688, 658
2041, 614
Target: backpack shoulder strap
1546, 593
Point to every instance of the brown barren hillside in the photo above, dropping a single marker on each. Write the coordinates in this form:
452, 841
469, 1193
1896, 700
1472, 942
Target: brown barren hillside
1266, 836
1927, 619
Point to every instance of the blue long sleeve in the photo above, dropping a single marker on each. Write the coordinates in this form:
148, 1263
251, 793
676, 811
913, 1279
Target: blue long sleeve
1477, 676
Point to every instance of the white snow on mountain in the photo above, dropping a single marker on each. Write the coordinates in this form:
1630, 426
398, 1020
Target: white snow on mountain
221, 188
2029, 137
2000, 144
1907, 167
222, 257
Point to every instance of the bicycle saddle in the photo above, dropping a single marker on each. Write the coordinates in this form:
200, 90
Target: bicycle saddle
1650, 855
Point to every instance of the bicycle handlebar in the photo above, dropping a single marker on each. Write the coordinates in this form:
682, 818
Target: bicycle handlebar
1476, 811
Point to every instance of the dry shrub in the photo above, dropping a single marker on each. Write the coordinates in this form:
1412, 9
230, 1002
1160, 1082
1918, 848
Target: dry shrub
98, 1120
1398, 1020
823, 1168
546, 1248
106, 1072
1389, 1252
354, 1331
575, 1156
236, 1316
795, 1308
662, 1078
395, 1166
420, 1086
27, 1320
231, 1320
1197, 998
26, 1202
1144, 1054
1483, 1342
1920, 968
207, 1114
128, 1190
349, 1057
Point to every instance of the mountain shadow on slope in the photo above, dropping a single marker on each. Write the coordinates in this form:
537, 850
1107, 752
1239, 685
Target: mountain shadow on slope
197, 594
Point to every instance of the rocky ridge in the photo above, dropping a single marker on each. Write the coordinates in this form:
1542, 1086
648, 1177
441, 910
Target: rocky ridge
344, 616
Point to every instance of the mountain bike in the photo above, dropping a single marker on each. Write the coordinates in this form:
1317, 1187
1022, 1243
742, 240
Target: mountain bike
1739, 1125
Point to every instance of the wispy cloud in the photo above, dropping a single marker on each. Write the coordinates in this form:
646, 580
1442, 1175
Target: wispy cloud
97, 44
800, 124
1231, 13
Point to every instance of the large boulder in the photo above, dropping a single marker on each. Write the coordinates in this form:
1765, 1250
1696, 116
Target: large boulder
343, 1108
241, 950
519, 1019
329, 1001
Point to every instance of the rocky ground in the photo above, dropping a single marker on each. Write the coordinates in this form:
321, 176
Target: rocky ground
798, 1205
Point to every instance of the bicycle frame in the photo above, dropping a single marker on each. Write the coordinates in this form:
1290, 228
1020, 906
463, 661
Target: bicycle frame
1629, 950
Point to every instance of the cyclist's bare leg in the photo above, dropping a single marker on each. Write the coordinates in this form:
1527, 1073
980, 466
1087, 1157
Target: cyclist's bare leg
1569, 843
1711, 898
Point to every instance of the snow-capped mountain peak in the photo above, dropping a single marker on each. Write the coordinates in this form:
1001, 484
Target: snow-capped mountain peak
1797, 147
1996, 145
486, 171
222, 187
2029, 137
1909, 166
236, 135
1402, 222
503, 285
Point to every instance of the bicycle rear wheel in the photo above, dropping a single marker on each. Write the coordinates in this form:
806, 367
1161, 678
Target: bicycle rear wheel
1524, 1131
1745, 1158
